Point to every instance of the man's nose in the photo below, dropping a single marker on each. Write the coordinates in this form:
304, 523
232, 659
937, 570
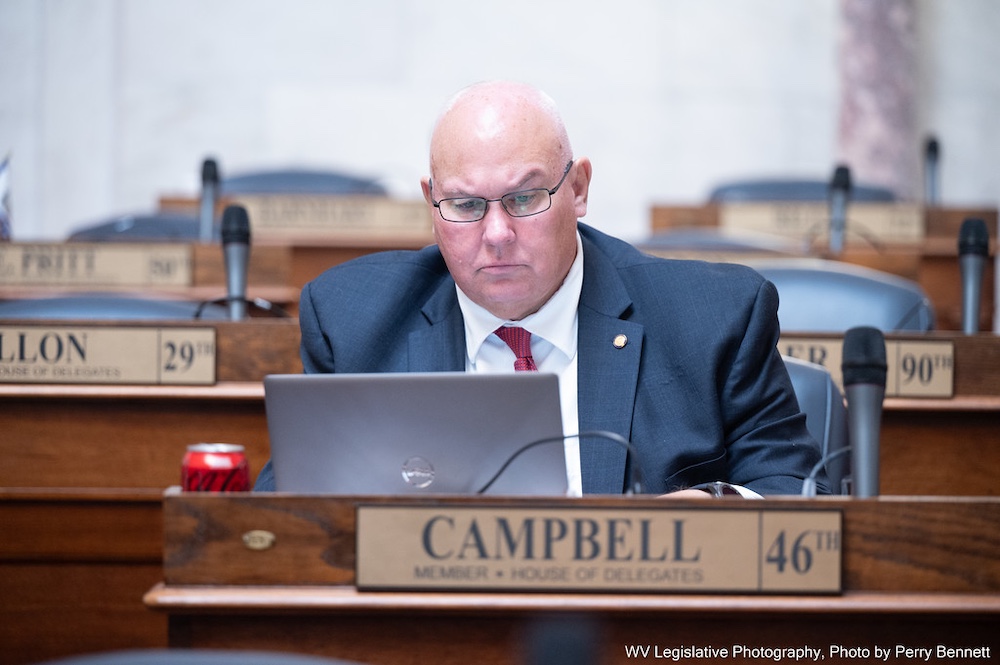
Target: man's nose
498, 225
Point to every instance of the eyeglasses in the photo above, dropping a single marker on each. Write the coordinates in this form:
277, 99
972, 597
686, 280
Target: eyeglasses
524, 203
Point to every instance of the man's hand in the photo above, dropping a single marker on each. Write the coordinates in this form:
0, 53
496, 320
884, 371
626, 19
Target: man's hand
686, 494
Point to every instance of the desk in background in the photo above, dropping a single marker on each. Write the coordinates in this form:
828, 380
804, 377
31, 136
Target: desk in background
269, 273
931, 262
81, 483
927, 444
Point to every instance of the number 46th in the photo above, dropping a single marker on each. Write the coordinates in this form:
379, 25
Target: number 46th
799, 554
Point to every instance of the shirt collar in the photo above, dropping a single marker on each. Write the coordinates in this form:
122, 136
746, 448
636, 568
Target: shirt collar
555, 321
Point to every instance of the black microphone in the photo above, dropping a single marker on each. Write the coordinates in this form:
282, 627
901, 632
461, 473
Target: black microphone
932, 155
563, 640
236, 252
864, 370
840, 195
973, 249
209, 197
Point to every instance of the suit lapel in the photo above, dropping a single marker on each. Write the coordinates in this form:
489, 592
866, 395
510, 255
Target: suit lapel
440, 347
609, 350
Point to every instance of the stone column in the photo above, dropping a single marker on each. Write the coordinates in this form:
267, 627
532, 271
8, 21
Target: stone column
878, 133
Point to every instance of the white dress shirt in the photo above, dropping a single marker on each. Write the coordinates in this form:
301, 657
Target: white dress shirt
553, 331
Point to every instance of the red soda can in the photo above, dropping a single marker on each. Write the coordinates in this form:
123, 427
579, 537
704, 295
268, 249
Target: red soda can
215, 467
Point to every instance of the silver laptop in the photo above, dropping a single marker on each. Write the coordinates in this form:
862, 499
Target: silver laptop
416, 433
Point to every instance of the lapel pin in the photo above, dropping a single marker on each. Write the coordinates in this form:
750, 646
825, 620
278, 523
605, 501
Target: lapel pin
620, 341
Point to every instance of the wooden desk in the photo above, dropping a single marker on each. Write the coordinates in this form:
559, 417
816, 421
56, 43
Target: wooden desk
323, 242
82, 474
932, 263
269, 277
311, 256
57, 435
950, 446
936, 447
122, 436
917, 572
940, 447
79, 445
74, 564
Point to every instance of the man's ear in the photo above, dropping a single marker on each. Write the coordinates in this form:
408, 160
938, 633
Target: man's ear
425, 186
580, 184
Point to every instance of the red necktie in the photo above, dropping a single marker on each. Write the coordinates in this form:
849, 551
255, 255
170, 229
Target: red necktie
519, 341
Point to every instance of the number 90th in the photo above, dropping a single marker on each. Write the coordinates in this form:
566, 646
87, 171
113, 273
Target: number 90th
921, 368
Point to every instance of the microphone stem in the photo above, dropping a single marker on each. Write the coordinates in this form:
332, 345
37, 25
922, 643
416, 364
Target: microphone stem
207, 213
237, 309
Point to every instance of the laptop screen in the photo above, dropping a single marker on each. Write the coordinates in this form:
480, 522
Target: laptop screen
416, 433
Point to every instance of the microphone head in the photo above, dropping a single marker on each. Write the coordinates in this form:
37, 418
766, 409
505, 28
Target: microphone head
563, 640
235, 225
209, 172
933, 148
864, 356
841, 179
973, 238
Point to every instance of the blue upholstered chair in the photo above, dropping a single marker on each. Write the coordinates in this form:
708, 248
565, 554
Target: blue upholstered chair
177, 227
712, 239
299, 181
107, 306
817, 295
155, 226
826, 414
791, 189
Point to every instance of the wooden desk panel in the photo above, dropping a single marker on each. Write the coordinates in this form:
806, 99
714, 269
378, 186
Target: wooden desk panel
890, 544
489, 636
84, 436
941, 448
74, 565
245, 350
895, 553
122, 436
133, 437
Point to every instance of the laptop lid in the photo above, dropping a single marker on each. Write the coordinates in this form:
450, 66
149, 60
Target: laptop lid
415, 433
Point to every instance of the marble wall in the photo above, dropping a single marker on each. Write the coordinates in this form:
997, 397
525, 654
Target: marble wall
108, 104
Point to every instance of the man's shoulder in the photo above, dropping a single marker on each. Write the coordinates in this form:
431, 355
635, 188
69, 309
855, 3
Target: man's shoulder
628, 260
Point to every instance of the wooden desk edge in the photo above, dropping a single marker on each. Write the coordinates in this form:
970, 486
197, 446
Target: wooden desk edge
223, 390
254, 390
194, 599
984, 403
63, 495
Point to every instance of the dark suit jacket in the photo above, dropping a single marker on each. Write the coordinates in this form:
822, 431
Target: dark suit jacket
699, 389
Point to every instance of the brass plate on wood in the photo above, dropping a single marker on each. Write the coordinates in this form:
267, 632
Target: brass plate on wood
694, 550
915, 368
107, 355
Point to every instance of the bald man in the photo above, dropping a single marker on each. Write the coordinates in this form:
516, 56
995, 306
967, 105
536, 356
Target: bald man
678, 357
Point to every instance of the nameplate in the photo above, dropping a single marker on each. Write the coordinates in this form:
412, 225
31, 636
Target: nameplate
697, 550
312, 215
915, 368
867, 222
107, 355
95, 264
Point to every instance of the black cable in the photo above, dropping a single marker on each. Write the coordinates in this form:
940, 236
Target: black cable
809, 484
258, 303
635, 472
